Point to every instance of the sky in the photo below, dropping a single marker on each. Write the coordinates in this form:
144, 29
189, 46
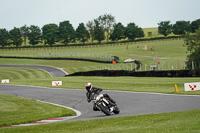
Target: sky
144, 13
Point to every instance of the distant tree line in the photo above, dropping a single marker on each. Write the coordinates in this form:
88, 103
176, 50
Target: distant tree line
102, 28
179, 28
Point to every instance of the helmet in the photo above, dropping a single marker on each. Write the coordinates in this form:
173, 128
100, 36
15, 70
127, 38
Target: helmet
88, 86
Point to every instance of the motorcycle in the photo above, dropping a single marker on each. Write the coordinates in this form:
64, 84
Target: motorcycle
104, 105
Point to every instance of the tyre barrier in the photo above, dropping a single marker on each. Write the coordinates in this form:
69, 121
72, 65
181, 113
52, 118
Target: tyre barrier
170, 73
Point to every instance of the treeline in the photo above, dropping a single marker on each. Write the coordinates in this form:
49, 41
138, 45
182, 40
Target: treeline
102, 28
179, 28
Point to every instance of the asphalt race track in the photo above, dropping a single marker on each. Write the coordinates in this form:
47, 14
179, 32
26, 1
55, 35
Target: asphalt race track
54, 72
130, 103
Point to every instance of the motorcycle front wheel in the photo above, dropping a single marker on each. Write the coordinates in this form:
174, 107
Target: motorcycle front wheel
116, 110
104, 110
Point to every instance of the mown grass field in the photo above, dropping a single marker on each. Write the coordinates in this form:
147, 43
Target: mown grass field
180, 122
186, 121
137, 84
35, 77
69, 66
13, 107
173, 60
17, 110
13, 73
119, 49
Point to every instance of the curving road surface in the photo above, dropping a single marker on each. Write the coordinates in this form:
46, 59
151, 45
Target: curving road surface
130, 103
54, 72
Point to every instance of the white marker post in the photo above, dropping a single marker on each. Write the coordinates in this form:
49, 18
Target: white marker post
192, 86
56, 83
5, 81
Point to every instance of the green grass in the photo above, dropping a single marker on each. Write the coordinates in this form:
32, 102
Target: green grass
173, 60
35, 77
68, 65
13, 73
184, 122
162, 48
138, 84
17, 110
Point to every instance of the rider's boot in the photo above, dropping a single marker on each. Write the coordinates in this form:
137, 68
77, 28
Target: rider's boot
95, 108
112, 101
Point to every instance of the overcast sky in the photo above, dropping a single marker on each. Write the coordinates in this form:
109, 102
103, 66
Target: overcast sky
144, 13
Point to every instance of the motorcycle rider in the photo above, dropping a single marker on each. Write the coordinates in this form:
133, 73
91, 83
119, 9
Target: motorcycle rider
91, 91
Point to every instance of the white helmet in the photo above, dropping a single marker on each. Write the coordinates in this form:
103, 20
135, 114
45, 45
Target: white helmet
88, 86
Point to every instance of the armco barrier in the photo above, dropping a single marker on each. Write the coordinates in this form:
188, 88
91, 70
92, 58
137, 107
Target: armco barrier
171, 73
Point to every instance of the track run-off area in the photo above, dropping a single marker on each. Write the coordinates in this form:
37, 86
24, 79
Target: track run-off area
54, 72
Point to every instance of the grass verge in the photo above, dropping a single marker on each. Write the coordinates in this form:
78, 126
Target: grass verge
137, 84
168, 61
17, 110
184, 122
14, 73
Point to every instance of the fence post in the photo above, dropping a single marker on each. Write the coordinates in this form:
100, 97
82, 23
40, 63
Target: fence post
131, 66
183, 65
192, 65
145, 67
135, 67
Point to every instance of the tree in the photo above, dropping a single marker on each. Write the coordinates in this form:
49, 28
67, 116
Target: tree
118, 33
98, 32
181, 27
107, 21
140, 32
34, 35
66, 32
90, 27
24, 32
4, 37
82, 34
165, 28
50, 33
195, 25
132, 31
15, 36
193, 47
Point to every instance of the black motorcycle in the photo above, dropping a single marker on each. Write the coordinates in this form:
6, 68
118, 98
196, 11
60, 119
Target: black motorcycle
104, 105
